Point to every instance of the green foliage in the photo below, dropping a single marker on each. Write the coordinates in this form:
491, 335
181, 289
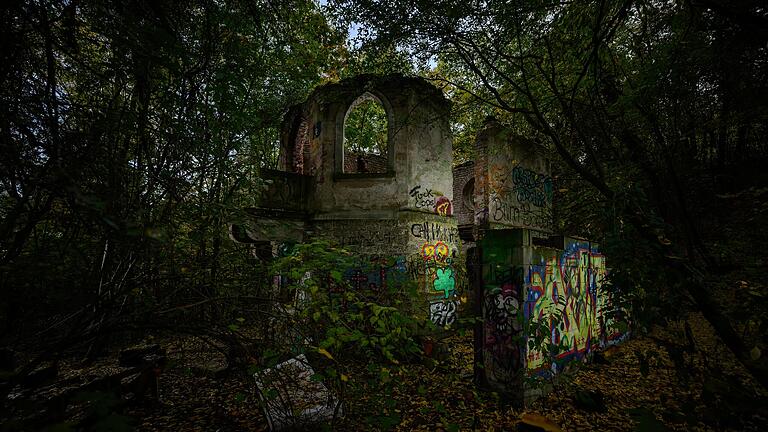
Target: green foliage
365, 128
131, 137
637, 284
346, 324
343, 328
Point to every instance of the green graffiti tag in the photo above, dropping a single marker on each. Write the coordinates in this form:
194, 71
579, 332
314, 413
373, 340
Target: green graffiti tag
445, 281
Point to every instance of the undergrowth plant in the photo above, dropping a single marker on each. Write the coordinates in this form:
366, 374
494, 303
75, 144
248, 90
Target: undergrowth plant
342, 328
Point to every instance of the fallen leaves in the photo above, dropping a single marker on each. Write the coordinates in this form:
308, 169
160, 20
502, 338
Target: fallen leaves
434, 395
539, 421
325, 352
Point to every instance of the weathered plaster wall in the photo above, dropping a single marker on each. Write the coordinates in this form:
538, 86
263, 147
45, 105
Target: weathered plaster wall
419, 153
513, 181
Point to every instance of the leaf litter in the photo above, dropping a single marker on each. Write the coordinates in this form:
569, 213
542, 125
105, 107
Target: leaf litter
648, 383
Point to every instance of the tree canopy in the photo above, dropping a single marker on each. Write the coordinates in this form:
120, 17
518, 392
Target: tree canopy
132, 133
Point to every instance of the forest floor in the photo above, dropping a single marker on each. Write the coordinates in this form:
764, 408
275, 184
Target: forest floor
646, 384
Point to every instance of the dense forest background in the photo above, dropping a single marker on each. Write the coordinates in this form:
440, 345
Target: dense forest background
133, 132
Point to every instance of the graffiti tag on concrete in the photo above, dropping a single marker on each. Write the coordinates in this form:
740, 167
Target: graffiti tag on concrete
426, 198
442, 312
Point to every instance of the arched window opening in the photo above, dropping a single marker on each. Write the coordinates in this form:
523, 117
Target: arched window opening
365, 137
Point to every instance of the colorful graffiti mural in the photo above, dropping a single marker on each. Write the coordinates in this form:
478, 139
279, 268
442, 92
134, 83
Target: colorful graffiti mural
542, 307
435, 268
564, 291
432, 269
435, 271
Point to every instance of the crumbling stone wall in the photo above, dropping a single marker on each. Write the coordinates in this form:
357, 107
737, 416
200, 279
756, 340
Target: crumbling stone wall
513, 181
403, 206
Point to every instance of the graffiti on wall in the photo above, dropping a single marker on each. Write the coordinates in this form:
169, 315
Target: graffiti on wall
427, 252
531, 187
443, 206
543, 314
564, 291
527, 185
383, 238
374, 273
437, 251
438, 272
439, 280
434, 268
445, 282
443, 312
502, 351
426, 198
520, 196
519, 214
432, 231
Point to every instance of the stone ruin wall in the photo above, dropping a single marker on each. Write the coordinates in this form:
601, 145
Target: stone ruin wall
405, 212
513, 181
422, 214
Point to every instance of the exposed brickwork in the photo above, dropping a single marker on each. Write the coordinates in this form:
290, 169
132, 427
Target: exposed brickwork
370, 163
463, 189
301, 148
